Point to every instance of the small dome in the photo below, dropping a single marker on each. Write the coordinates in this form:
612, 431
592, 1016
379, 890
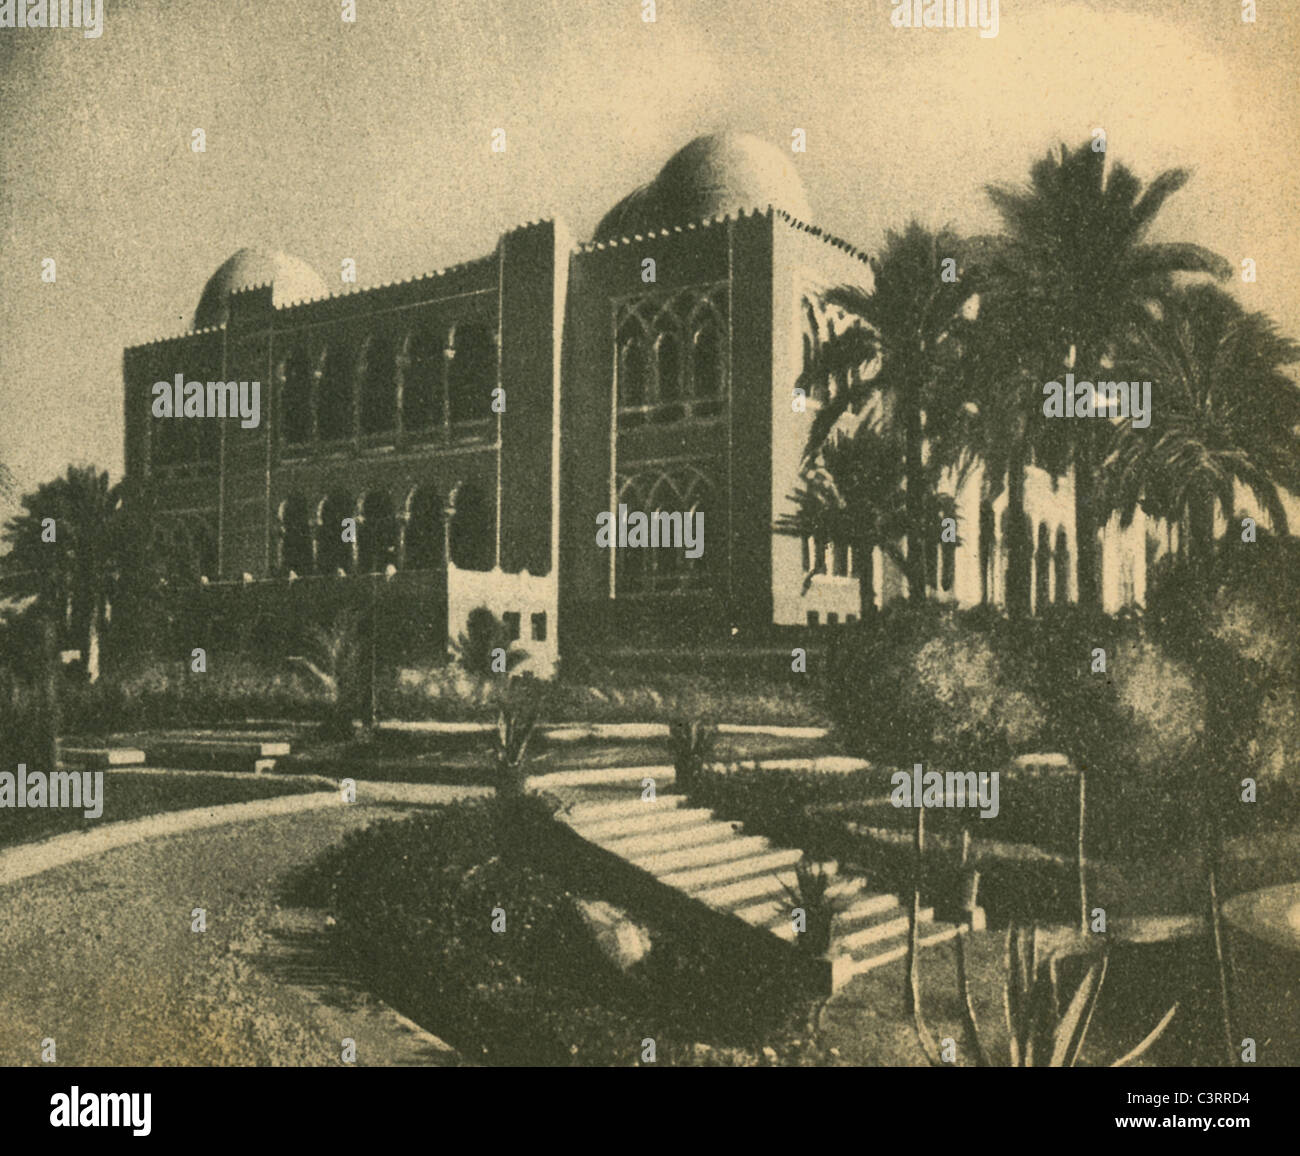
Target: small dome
719, 173
290, 280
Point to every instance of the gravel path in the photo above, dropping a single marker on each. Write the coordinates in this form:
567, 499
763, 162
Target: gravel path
99, 955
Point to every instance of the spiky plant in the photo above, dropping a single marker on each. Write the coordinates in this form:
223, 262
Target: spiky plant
334, 661
1040, 1033
811, 892
693, 742
515, 726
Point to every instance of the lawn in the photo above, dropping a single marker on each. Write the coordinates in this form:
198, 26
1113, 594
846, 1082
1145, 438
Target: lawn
133, 795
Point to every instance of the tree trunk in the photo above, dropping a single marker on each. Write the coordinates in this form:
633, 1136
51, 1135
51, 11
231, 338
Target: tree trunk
864, 555
916, 528
1017, 537
1200, 533
1085, 519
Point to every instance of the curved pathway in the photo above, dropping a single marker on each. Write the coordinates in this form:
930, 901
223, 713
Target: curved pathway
97, 951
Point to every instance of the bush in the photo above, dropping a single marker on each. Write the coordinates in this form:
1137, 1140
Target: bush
414, 902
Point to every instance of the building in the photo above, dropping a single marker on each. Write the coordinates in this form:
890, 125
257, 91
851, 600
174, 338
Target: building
471, 425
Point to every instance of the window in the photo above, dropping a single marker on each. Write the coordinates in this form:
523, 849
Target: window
947, 565
295, 399
670, 357
539, 626
422, 385
472, 375
333, 553
295, 540
334, 395
510, 619
424, 540
377, 534
378, 388
473, 530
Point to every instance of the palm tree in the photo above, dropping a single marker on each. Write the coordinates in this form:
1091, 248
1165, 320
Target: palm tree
71, 577
1224, 413
1075, 248
852, 495
912, 319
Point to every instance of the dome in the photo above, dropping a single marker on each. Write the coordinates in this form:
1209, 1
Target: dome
715, 174
290, 280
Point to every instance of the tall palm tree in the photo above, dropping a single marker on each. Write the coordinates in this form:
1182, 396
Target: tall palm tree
71, 577
852, 495
912, 319
1075, 246
1224, 413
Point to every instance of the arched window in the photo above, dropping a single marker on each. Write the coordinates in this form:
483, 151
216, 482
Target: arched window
701, 524
422, 386
377, 535
473, 373
1042, 568
332, 552
1061, 559
632, 365
334, 395
378, 388
667, 506
295, 399
631, 567
424, 542
668, 368
473, 530
295, 541
706, 361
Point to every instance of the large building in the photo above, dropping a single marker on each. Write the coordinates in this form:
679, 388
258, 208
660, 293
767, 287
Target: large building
450, 441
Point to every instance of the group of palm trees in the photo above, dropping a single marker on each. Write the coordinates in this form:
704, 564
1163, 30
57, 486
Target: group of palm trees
943, 366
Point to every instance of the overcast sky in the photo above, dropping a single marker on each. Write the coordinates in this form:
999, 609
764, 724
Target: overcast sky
371, 141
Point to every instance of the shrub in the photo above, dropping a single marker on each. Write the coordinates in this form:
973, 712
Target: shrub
485, 633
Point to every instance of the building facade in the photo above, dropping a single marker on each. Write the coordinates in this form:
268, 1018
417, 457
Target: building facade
450, 442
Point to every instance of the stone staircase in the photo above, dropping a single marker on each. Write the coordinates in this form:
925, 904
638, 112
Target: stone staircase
742, 875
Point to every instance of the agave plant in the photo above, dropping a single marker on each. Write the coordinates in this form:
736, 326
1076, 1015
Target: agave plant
693, 742
811, 892
515, 726
1041, 1033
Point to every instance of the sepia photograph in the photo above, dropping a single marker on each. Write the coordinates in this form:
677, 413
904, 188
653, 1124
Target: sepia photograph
649, 533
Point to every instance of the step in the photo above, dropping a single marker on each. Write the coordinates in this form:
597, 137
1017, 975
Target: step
664, 862
639, 824
235, 748
670, 840
846, 967
856, 941
774, 915
735, 894
663, 775
700, 878
598, 812
101, 756
868, 909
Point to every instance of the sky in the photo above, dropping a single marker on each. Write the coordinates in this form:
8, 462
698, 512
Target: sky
371, 140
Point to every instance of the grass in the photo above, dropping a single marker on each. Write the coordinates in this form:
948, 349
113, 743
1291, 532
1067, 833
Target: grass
132, 795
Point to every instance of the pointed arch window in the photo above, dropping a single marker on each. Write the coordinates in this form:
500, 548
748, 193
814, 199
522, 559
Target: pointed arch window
334, 407
472, 374
295, 539
333, 553
379, 388
295, 399
424, 530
